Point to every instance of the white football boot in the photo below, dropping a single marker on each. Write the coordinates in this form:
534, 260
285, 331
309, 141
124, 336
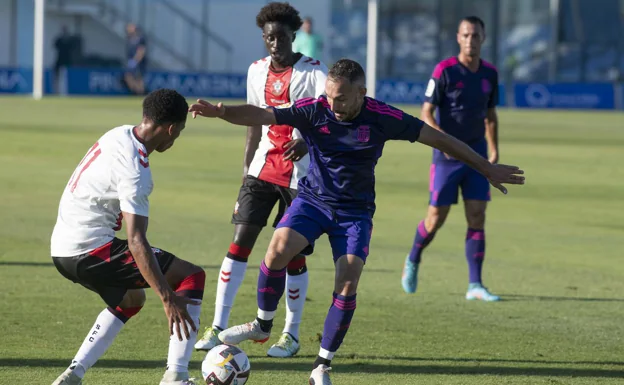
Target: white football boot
178, 378
285, 347
249, 331
320, 376
209, 340
68, 378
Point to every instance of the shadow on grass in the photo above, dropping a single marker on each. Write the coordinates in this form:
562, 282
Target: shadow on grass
481, 367
206, 267
522, 297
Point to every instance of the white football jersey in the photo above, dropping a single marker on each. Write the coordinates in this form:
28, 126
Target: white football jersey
113, 176
266, 87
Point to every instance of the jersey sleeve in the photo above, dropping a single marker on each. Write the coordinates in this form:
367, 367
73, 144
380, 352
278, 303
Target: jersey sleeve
320, 78
493, 101
300, 114
399, 125
435, 88
133, 185
252, 98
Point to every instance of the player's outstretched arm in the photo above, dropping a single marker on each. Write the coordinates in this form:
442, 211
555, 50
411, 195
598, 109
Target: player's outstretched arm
245, 115
175, 306
497, 174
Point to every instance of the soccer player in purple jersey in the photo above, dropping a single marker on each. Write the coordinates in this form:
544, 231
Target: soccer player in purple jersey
464, 91
345, 132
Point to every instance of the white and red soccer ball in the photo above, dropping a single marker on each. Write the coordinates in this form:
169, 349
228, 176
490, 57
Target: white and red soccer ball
226, 365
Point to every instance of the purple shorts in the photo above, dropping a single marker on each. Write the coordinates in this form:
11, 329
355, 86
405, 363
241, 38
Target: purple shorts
348, 233
447, 176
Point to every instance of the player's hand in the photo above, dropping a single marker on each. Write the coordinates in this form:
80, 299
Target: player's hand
205, 109
493, 157
499, 174
295, 150
175, 309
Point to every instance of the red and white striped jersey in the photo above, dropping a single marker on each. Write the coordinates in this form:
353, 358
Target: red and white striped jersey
266, 87
113, 176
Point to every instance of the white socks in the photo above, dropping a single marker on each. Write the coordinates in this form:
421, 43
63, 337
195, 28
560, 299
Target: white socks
101, 336
296, 291
106, 328
230, 280
180, 351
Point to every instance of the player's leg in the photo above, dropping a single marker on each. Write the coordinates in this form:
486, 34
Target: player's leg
140, 78
122, 304
107, 325
476, 194
130, 82
255, 201
444, 178
231, 276
299, 228
350, 240
188, 280
297, 289
111, 272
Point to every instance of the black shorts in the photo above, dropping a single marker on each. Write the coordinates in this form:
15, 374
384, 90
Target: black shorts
256, 200
109, 270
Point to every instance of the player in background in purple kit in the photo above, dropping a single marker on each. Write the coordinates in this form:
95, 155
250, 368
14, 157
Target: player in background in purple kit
345, 132
464, 90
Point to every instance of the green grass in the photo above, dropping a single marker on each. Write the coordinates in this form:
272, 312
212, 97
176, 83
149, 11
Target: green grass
554, 254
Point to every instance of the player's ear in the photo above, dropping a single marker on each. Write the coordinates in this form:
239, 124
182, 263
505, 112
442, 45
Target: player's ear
363, 91
171, 129
294, 36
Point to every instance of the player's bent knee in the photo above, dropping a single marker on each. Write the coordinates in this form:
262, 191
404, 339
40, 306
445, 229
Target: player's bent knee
346, 287
130, 305
246, 235
180, 271
348, 271
297, 266
476, 220
133, 299
284, 246
192, 286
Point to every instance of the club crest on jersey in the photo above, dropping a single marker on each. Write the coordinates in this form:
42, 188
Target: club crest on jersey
486, 87
363, 134
285, 105
277, 87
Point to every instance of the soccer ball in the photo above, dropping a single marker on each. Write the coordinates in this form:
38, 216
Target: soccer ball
226, 365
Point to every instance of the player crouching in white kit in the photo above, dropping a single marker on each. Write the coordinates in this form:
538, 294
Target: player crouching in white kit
111, 183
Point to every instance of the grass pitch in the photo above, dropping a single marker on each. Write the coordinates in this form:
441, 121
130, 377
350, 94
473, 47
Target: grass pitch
554, 253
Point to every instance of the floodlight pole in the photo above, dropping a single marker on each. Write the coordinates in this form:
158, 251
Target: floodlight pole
371, 47
38, 50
